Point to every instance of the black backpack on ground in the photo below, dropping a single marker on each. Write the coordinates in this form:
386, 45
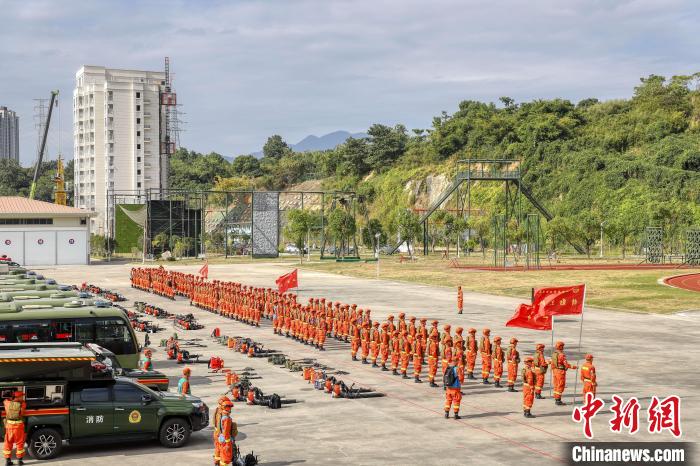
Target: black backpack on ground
275, 401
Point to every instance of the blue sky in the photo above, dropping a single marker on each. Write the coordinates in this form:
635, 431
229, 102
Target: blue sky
247, 69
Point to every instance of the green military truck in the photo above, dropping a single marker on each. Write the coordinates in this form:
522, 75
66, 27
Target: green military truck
71, 398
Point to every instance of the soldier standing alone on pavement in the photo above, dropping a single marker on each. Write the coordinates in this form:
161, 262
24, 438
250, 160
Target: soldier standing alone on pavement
460, 300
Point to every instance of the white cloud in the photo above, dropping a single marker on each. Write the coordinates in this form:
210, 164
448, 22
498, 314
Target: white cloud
248, 69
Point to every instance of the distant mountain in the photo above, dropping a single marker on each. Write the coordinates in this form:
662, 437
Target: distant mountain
325, 142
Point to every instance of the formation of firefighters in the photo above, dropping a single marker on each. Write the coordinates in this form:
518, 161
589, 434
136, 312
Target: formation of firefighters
393, 345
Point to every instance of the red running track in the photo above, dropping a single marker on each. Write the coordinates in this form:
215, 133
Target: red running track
689, 281
456, 265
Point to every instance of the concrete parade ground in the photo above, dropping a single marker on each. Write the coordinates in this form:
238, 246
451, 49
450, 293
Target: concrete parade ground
638, 355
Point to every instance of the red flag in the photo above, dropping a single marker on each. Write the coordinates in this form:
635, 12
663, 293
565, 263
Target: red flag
561, 300
204, 271
287, 281
526, 316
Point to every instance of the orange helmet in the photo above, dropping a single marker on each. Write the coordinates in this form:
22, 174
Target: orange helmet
589, 357
539, 346
559, 345
186, 371
497, 340
434, 323
148, 352
472, 330
529, 359
447, 327
513, 341
18, 395
459, 330
402, 315
227, 404
423, 320
487, 331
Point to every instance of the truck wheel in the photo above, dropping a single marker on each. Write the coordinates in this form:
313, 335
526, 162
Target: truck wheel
45, 443
174, 433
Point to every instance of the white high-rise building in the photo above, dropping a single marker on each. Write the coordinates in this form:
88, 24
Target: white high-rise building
117, 128
9, 134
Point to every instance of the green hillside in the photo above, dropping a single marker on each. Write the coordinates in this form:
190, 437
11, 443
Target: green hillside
629, 162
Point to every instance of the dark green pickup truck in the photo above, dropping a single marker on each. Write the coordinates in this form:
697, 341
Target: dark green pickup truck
63, 404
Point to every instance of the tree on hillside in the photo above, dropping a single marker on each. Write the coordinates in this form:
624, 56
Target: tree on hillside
246, 165
353, 154
276, 148
585, 228
387, 144
408, 227
299, 223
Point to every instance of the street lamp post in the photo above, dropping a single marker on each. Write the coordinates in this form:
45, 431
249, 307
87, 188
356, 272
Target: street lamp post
376, 250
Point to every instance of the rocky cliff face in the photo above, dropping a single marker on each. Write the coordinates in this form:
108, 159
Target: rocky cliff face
424, 191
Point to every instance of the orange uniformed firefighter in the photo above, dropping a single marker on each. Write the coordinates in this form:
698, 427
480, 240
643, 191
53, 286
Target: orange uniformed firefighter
460, 300
471, 352
453, 389
485, 349
498, 359
217, 422
540, 367
14, 427
588, 376
513, 359
227, 434
559, 367
433, 354
528, 387
183, 385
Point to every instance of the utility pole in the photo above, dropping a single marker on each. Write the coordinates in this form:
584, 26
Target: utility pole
601, 237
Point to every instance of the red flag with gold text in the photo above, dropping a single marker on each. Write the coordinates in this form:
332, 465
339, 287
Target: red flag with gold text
559, 300
526, 316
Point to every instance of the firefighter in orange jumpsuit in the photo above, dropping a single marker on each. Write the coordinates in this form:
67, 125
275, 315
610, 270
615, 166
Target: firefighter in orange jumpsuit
453, 390
417, 350
374, 340
405, 354
217, 421
471, 352
402, 323
528, 387
384, 340
559, 367
433, 355
540, 366
395, 352
14, 427
445, 342
513, 359
227, 434
460, 300
498, 359
588, 376
364, 341
485, 349
355, 342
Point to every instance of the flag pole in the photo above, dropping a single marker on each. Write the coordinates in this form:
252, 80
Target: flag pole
551, 377
580, 334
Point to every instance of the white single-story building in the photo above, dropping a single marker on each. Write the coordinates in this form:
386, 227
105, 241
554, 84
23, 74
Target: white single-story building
42, 233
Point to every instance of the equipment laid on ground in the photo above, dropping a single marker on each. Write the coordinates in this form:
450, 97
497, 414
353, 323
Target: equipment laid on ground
187, 322
107, 294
